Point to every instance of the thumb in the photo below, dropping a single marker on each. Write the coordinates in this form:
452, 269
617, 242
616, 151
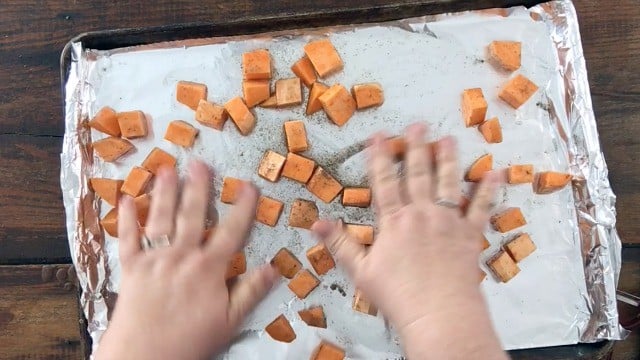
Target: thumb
248, 292
341, 244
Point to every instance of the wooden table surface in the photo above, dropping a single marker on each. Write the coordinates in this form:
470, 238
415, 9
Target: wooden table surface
39, 316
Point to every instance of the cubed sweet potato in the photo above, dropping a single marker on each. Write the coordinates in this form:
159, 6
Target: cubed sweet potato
303, 69
255, 91
323, 185
190, 93
107, 189
133, 124
303, 283
230, 189
157, 159
271, 165
181, 133
358, 197
326, 351
237, 266
314, 317
268, 210
112, 148
298, 168
363, 234
505, 54
508, 220
256, 65
367, 95
286, 263
211, 115
491, 130
296, 136
241, 115
106, 121
520, 174
288, 92
142, 204
271, 102
485, 243
314, 105
136, 182
517, 91
503, 266
479, 168
474, 106
520, 247
280, 329
110, 222
304, 214
361, 304
338, 104
320, 259
324, 57
550, 181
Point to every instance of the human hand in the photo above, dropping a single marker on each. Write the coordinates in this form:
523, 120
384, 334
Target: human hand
174, 302
422, 271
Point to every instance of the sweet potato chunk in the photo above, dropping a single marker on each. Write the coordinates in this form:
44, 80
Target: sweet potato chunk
474, 106
296, 136
237, 266
230, 189
288, 92
256, 65
303, 283
136, 182
298, 168
181, 133
520, 247
479, 168
503, 266
190, 93
268, 210
133, 124
367, 95
338, 104
286, 263
358, 197
491, 130
112, 148
550, 181
520, 174
110, 222
304, 214
271, 102
517, 91
505, 54
320, 259
361, 233
326, 351
106, 121
280, 329
314, 317
303, 69
363, 305
107, 189
157, 159
255, 91
142, 204
508, 220
324, 57
314, 104
211, 115
271, 165
241, 115
485, 243
323, 185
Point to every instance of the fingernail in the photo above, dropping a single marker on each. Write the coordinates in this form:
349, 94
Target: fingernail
164, 172
322, 228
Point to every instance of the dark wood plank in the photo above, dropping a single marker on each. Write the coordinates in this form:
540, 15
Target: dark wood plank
38, 316
629, 349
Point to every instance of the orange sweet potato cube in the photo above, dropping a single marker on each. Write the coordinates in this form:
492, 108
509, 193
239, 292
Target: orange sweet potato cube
505, 54
338, 104
324, 57
304, 214
361, 233
280, 329
503, 266
157, 159
136, 182
271, 165
286, 263
298, 168
485, 243
288, 92
296, 136
313, 104
314, 317
107, 189
320, 259
361, 304
520, 247
255, 91
211, 115
271, 102
112, 148
241, 115
110, 222
230, 190
256, 65
367, 95
190, 93
550, 181
491, 130
181, 133
303, 69
237, 266
326, 351
479, 168
142, 204
268, 210
323, 185
133, 124
474, 106
106, 121
517, 91
508, 220
520, 174
303, 283
358, 197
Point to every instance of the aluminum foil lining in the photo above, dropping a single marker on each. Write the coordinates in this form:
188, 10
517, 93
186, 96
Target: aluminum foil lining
565, 292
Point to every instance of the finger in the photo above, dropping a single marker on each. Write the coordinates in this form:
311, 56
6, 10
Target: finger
478, 213
163, 204
418, 165
231, 235
448, 187
386, 183
248, 292
341, 244
128, 232
193, 206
